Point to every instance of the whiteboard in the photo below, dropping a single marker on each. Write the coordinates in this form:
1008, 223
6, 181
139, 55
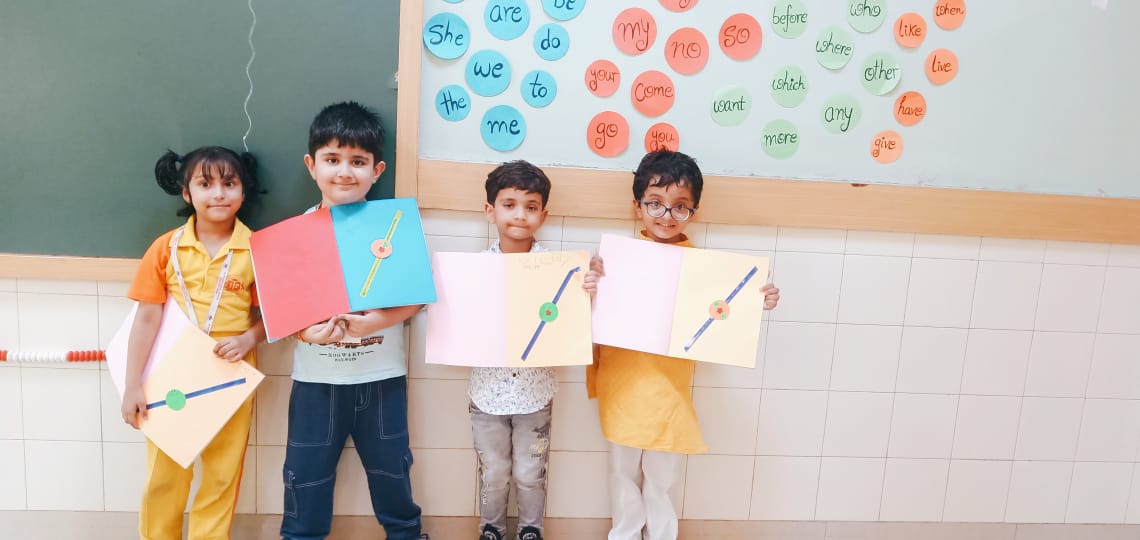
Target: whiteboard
1044, 101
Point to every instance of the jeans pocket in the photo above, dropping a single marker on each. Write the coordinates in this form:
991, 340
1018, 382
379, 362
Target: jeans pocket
290, 495
311, 414
393, 408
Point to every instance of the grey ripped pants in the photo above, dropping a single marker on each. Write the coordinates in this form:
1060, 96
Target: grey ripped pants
511, 447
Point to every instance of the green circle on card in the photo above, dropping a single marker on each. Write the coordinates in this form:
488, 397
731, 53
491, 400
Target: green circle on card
731, 106
176, 400
789, 18
834, 47
881, 73
781, 139
866, 15
789, 86
548, 312
841, 114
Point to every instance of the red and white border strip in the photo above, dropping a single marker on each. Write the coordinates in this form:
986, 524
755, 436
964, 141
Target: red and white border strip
36, 357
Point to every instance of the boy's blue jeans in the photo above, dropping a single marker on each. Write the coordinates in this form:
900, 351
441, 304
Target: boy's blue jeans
321, 417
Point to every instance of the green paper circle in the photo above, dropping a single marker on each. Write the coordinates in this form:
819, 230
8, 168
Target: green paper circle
834, 47
866, 15
789, 86
789, 18
780, 139
881, 73
175, 399
841, 114
731, 106
548, 312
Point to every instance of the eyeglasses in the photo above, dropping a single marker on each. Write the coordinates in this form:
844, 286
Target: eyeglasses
679, 212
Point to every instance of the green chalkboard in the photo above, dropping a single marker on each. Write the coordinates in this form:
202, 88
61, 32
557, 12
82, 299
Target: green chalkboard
91, 93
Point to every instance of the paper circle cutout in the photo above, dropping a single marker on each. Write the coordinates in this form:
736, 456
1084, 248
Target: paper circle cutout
886, 147
503, 128
563, 10
841, 114
730, 106
719, 310
949, 14
866, 16
662, 136
910, 108
538, 88
175, 399
881, 73
834, 47
453, 103
381, 249
910, 30
941, 66
602, 78
789, 18
679, 5
740, 36
687, 51
789, 86
780, 139
506, 19
551, 41
548, 312
607, 134
652, 93
446, 36
488, 73
634, 31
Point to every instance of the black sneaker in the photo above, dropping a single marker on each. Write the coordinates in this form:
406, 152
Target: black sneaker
490, 533
425, 536
530, 533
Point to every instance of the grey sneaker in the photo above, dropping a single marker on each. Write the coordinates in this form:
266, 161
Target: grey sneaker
530, 533
490, 533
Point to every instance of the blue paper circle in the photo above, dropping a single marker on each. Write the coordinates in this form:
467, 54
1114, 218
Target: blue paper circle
506, 19
446, 35
503, 128
488, 73
538, 88
453, 103
563, 10
551, 41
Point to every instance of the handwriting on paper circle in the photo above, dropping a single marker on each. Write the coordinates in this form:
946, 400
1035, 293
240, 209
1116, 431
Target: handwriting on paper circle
789, 86
678, 5
503, 128
687, 51
881, 73
740, 36
780, 139
607, 134
910, 30
949, 14
652, 93
634, 31
886, 147
910, 108
538, 88
730, 106
551, 41
446, 36
834, 47
453, 103
563, 10
602, 78
841, 114
866, 16
941, 66
488, 73
662, 136
789, 18
506, 19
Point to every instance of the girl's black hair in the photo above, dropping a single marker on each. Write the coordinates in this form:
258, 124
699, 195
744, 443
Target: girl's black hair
173, 172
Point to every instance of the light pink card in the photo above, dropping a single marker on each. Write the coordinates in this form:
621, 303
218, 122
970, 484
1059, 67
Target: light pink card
634, 305
174, 322
465, 325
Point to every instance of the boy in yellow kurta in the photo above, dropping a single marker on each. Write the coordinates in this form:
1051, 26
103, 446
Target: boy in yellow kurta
644, 400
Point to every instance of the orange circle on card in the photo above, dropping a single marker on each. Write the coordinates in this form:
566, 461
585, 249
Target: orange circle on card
740, 36
652, 93
910, 108
910, 30
602, 78
949, 14
678, 5
887, 146
662, 136
382, 248
687, 51
608, 134
941, 66
634, 31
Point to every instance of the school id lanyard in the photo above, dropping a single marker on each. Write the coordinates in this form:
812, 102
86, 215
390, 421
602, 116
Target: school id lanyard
186, 293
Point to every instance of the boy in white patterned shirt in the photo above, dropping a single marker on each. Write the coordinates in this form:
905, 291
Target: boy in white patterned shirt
510, 407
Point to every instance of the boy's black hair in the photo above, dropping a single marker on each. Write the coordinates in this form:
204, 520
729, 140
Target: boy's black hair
347, 124
518, 174
668, 168
173, 172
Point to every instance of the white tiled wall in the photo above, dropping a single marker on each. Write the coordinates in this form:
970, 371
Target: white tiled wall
903, 378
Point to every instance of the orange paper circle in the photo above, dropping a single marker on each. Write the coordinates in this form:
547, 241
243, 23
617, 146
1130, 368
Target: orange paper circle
662, 136
381, 249
887, 146
719, 310
740, 36
634, 31
910, 108
687, 51
949, 14
941, 66
910, 30
608, 134
652, 93
678, 5
602, 78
